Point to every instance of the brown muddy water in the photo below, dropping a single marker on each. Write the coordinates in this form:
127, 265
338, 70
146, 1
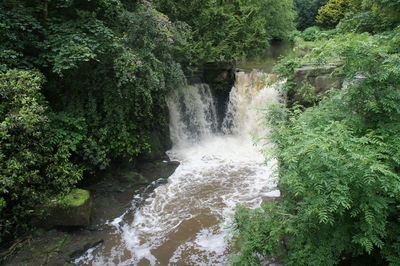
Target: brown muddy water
186, 221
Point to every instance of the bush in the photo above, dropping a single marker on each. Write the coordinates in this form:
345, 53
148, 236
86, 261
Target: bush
330, 14
33, 167
339, 165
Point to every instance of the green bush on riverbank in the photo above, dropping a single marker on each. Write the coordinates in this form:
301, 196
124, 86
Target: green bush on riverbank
339, 160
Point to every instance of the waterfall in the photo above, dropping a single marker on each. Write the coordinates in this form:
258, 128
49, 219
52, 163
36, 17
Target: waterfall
246, 100
184, 222
193, 115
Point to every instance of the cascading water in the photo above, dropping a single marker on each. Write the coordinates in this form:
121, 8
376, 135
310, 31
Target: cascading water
192, 114
247, 97
184, 221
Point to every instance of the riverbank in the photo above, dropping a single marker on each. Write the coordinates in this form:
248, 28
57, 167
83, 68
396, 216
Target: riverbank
116, 192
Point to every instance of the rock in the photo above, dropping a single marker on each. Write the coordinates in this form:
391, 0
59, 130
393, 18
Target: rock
319, 77
134, 178
159, 143
219, 75
79, 250
55, 248
324, 83
222, 76
157, 169
73, 210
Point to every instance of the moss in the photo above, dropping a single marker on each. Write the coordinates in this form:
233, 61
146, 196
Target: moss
76, 198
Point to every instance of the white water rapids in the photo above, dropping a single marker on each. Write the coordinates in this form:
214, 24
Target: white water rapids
184, 222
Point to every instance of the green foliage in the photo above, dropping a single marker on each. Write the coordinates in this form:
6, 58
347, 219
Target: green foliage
32, 166
373, 16
259, 233
360, 15
330, 14
19, 36
307, 11
75, 41
227, 30
339, 164
314, 33
75, 198
106, 67
286, 70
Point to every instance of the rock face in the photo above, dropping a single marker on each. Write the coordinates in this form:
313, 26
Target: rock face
74, 210
320, 77
54, 248
220, 76
159, 142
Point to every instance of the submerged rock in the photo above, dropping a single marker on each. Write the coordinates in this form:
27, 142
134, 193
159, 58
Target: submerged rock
73, 210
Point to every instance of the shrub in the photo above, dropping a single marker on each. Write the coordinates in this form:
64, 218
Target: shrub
339, 165
32, 166
330, 14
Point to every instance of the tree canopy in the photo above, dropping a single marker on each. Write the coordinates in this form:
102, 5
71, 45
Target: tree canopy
307, 11
226, 30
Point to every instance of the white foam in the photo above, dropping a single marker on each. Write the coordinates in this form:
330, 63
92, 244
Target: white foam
216, 173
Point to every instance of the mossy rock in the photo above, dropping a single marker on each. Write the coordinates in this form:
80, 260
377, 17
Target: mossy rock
76, 198
71, 210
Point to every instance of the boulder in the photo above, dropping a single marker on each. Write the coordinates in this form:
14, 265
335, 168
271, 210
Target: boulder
72, 210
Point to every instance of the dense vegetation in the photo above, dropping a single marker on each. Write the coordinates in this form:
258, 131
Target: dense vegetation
82, 83
227, 30
307, 10
78, 90
340, 157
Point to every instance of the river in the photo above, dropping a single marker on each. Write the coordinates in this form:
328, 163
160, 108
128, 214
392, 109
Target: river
186, 221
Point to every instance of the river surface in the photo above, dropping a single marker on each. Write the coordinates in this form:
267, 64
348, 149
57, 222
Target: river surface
186, 221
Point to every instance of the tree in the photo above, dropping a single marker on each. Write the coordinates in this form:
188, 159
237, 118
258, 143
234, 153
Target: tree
34, 164
373, 16
330, 14
227, 30
307, 11
82, 84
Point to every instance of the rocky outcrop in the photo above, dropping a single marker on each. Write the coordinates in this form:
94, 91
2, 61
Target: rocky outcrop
73, 210
54, 248
320, 77
219, 76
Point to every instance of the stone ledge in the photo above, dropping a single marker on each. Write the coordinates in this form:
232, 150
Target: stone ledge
73, 210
